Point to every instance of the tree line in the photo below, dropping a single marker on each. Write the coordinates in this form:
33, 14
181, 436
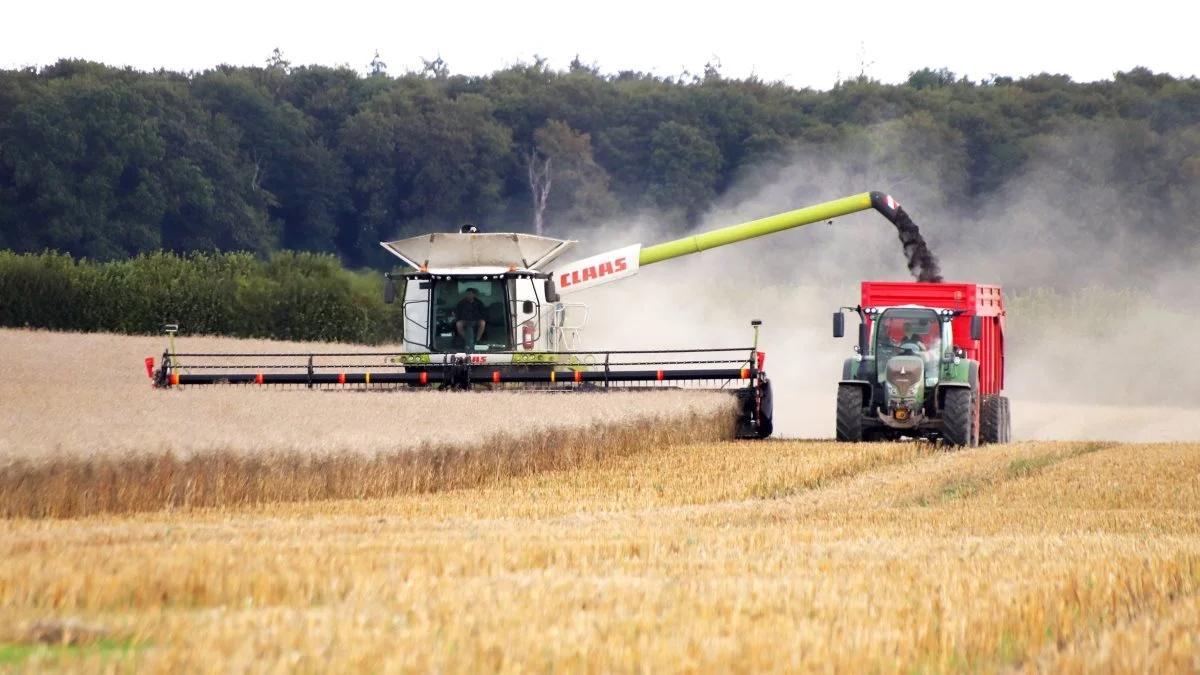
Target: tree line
284, 295
109, 163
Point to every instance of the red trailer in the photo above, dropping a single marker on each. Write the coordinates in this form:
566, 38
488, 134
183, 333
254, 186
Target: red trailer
933, 368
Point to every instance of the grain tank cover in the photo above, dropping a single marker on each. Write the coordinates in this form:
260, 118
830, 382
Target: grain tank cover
443, 250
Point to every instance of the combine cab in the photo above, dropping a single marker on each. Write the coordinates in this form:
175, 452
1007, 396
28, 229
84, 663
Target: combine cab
929, 364
516, 300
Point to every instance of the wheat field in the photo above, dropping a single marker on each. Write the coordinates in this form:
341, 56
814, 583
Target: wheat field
681, 553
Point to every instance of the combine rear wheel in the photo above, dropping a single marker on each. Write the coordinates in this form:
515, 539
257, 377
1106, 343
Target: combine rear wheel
958, 417
849, 413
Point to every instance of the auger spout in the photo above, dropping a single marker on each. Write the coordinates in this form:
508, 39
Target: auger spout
626, 261
755, 228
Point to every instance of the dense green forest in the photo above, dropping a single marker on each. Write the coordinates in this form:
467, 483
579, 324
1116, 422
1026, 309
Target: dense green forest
283, 295
106, 163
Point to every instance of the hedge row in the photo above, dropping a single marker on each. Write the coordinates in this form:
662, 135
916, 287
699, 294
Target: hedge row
289, 296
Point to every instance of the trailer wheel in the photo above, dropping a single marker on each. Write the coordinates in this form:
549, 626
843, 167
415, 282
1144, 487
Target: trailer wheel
993, 415
849, 413
1007, 428
958, 417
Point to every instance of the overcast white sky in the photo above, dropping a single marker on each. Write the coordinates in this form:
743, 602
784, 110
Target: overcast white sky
805, 44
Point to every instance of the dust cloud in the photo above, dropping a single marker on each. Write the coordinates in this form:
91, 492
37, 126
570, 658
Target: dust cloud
1097, 311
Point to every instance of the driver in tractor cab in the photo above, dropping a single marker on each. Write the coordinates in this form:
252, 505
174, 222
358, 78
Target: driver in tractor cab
470, 313
918, 331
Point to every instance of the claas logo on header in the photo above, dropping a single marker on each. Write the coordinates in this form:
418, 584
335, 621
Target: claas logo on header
592, 272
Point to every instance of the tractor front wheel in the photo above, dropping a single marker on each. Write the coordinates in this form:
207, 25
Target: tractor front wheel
849, 413
958, 417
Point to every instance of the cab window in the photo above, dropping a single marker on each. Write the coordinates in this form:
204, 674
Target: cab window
446, 296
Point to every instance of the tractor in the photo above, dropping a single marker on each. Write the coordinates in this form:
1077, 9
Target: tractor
929, 364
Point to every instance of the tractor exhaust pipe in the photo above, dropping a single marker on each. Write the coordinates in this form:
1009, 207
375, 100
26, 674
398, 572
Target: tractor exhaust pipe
864, 333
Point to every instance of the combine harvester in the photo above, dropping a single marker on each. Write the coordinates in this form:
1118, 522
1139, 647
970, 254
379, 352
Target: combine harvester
529, 337
929, 364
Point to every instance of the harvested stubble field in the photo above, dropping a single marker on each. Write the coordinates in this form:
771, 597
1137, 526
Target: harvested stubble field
690, 557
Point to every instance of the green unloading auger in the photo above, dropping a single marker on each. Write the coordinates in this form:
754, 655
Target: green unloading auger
625, 262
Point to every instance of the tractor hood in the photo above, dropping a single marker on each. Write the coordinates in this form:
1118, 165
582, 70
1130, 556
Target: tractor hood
904, 372
493, 249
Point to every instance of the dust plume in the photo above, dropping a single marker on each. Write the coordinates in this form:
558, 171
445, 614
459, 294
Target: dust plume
1096, 303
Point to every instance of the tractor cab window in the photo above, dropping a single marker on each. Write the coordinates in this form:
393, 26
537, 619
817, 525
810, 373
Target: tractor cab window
466, 310
908, 331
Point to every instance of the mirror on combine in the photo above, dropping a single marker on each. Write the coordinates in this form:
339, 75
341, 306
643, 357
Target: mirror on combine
839, 324
389, 290
527, 307
976, 327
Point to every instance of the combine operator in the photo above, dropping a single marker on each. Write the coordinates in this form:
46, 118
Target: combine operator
470, 313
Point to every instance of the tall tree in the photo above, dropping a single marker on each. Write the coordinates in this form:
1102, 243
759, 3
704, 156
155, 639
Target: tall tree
582, 192
539, 187
683, 169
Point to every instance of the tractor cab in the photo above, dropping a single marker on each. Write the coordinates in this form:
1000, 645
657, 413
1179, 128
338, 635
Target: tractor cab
909, 331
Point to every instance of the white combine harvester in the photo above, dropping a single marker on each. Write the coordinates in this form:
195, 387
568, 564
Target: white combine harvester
529, 337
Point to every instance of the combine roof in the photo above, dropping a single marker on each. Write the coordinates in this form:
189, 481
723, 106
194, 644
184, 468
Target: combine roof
494, 249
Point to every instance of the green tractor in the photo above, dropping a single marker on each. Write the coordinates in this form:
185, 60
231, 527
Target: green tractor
913, 376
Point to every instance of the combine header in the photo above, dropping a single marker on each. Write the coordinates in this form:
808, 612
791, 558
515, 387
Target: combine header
482, 311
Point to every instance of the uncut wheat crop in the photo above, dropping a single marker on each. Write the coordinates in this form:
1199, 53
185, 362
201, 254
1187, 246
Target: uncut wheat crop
83, 431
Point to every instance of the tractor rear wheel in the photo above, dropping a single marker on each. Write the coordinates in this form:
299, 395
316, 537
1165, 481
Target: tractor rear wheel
849, 413
958, 417
992, 419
